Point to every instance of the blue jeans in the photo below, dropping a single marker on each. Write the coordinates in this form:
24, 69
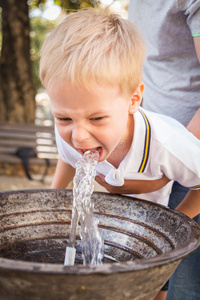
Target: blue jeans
185, 282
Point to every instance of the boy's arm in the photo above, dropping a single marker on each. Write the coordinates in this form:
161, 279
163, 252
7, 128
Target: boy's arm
190, 205
133, 186
63, 175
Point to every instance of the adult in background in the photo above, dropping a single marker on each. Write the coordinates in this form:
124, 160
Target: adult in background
171, 30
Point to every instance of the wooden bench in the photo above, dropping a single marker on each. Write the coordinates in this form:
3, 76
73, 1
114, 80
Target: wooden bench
39, 138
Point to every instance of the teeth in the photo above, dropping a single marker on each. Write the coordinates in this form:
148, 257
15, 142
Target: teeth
83, 151
97, 149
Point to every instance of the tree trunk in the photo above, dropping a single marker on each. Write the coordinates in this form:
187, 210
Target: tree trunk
17, 92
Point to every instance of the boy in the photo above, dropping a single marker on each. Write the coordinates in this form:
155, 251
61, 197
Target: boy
91, 66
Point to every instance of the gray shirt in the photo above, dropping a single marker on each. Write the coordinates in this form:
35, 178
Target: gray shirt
171, 69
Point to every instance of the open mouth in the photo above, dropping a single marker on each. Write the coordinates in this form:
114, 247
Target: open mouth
99, 149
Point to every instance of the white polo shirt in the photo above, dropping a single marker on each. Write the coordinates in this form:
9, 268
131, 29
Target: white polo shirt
161, 145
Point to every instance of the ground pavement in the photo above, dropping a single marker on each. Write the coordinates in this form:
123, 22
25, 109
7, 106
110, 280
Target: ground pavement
12, 183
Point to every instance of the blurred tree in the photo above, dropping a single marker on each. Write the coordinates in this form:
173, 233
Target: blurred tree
39, 29
17, 89
17, 92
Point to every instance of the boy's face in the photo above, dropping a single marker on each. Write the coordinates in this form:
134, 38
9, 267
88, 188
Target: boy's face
89, 120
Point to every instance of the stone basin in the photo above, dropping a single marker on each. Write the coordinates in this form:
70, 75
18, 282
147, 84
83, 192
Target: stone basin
144, 243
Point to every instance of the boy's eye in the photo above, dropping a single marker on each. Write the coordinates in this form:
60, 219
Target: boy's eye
97, 119
63, 119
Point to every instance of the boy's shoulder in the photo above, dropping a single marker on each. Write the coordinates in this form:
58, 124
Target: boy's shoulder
157, 118
162, 126
168, 138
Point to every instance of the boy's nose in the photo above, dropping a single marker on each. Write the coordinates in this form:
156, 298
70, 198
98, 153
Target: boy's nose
79, 134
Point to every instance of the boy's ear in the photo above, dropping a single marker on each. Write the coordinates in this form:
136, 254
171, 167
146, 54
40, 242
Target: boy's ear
136, 99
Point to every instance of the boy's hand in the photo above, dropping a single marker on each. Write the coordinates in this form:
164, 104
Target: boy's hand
133, 186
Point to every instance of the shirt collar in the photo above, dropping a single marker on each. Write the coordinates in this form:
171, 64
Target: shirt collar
137, 158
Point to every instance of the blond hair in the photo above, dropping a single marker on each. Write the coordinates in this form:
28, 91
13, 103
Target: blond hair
91, 46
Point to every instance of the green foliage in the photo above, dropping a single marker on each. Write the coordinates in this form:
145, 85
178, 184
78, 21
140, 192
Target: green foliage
74, 5
39, 29
67, 5
37, 3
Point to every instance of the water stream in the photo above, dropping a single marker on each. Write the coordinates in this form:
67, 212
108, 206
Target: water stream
83, 186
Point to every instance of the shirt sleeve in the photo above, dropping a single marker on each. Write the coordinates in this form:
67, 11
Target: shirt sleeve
191, 10
179, 160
